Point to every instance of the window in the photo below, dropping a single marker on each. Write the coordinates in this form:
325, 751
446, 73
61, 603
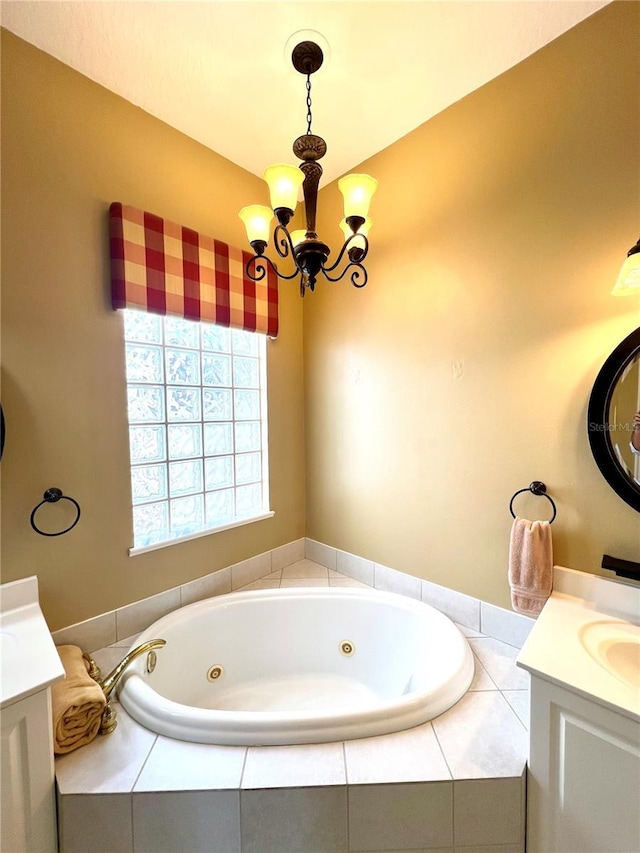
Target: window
197, 427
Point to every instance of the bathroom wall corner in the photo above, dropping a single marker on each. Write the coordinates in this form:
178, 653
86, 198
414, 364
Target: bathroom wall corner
319, 553
506, 625
287, 554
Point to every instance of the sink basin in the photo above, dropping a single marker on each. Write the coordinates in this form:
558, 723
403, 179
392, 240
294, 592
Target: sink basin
616, 647
587, 640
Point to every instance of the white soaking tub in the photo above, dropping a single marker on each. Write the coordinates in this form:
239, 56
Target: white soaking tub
297, 665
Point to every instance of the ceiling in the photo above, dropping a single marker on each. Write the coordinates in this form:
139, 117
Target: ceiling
220, 72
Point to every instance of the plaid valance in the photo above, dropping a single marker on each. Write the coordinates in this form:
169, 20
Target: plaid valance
165, 268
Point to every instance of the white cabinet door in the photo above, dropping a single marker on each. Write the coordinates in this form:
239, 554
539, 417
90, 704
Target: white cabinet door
28, 822
584, 776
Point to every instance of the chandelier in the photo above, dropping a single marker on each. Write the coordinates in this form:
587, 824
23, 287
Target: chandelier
308, 253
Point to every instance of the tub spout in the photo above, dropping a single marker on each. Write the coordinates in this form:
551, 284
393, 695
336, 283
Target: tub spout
109, 683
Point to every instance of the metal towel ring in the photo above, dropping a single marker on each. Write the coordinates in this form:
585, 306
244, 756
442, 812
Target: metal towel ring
537, 488
52, 496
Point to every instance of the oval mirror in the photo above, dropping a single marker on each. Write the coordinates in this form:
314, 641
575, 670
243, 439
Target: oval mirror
614, 402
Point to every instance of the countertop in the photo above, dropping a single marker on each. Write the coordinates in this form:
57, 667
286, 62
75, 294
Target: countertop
30, 662
588, 645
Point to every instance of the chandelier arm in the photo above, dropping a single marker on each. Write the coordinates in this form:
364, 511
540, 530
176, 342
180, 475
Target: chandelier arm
282, 241
284, 247
261, 269
356, 275
344, 248
358, 272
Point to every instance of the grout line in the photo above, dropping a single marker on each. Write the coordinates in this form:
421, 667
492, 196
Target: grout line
144, 763
240, 798
524, 798
444, 755
347, 797
244, 764
508, 704
453, 813
344, 759
485, 670
517, 716
133, 839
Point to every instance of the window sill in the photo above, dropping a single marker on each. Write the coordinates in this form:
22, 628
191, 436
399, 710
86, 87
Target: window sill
133, 552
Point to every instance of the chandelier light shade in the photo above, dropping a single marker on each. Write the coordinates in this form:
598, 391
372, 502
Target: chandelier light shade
298, 236
284, 182
357, 191
628, 283
307, 251
357, 245
257, 220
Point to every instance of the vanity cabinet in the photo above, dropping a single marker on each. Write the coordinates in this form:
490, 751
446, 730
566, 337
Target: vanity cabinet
583, 655
29, 666
584, 775
28, 801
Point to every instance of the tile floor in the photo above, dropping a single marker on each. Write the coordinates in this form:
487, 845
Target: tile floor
455, 783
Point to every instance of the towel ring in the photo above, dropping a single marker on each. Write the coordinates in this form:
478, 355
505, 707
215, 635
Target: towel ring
536, 488
52, 496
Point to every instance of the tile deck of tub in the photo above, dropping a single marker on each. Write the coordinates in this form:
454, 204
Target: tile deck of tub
454, 783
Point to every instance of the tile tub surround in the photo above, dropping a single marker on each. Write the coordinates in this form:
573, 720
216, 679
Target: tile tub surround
455, 783
116, 625
261, 572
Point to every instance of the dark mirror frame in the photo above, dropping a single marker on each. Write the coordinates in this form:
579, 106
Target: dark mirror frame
598, 419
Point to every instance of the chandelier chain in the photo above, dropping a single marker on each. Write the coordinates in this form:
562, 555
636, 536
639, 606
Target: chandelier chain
308, 103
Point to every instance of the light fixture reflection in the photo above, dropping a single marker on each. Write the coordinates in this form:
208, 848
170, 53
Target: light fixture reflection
628, 282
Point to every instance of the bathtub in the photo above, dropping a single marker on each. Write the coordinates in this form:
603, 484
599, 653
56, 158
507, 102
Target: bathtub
297, 665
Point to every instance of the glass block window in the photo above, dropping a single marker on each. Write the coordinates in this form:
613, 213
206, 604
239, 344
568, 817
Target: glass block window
197, 426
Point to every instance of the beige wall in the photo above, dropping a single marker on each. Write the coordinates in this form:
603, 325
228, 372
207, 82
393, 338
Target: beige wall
69, 148
462, 371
